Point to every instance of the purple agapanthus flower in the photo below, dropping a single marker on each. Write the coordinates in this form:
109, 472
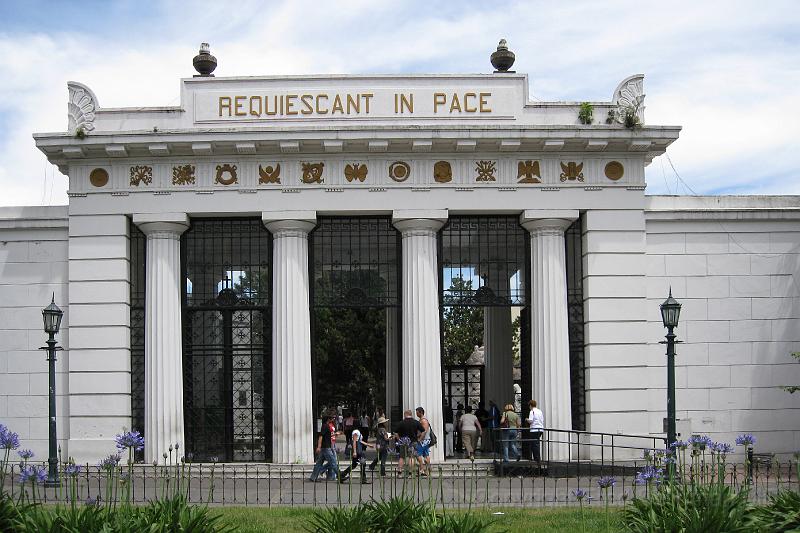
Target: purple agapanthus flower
722, 448
72, 470
92, 502
130, 439
648, 474
25, 454
747, 439
581, 494
606, 482
679, 445
34, 474
110, 462
700, 442
8, 439
647, 455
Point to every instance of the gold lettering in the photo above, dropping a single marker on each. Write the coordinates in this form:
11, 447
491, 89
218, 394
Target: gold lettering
395, 103
289, 103
467, 108
455, 105
282, 108
356, 103
307, 100
252, 110
224, 103
237, 104
367, 96
274, 105
438, 99
337, 104
407, 102
319, 109
484, 103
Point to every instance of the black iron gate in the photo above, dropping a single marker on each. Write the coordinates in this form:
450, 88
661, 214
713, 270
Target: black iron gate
483, 262
227, 330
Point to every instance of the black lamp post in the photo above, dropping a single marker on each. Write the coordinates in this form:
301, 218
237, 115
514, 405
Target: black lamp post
670, 312
52, 322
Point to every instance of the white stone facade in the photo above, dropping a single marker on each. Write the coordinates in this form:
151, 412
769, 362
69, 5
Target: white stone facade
732, 262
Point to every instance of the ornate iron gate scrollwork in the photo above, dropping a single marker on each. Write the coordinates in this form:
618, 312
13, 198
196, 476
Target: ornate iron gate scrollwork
227, 339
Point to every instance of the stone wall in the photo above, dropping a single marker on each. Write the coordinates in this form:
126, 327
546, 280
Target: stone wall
734, 264
33, 269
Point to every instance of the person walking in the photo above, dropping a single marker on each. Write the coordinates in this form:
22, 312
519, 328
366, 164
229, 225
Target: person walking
348, 427
448, 431
456, 432
469, 428
358, 446
510, 423
536, 423
382, 441
424, 444
326, 451
365, 422
486, 435
407, 433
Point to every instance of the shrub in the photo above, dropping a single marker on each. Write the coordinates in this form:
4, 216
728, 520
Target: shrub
782, 513
688, 508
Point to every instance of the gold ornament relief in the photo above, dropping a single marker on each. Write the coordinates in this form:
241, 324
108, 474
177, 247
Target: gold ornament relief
529, 172
312, 172
141, 174
485, 170
399, 171
442, 172
183, 175
614, 170
356, 171
230, 170
98, 177
269, 174
571, 171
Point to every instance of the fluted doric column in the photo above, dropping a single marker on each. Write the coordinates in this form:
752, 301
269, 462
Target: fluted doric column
421, 351
292, 411
498, 355
392, 362
163, 350
549, 322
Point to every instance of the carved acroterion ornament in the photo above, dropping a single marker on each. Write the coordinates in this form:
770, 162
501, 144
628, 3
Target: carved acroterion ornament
485, 170
442, 172
571, 171
629, 99
269, 174
312, 172
226, 174
141, 174
614, 170
80, 108
355, 171
529, 172
98, 177
183, 175
399, 171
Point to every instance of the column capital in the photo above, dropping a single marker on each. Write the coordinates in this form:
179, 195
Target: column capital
547, 220
168, 224
289, 223
419, 221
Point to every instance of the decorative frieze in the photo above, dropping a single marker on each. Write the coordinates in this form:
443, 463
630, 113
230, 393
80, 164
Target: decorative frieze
519, 171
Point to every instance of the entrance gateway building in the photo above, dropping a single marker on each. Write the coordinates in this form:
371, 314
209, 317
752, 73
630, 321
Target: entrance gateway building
200, 239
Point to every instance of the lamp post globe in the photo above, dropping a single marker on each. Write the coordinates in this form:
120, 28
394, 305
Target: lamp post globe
670, 313
51, 316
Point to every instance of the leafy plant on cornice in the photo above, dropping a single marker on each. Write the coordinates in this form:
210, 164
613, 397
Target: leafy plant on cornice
630, 115
586, 113
80, 133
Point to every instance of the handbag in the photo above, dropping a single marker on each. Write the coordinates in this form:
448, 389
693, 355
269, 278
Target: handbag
434, 440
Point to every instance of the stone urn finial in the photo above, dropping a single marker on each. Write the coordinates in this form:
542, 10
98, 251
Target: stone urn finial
503, 58
204, 62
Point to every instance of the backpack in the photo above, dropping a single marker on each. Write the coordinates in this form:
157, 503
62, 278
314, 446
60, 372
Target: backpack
432, 435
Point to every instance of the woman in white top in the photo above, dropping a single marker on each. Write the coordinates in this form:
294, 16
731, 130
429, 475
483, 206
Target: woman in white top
536, 423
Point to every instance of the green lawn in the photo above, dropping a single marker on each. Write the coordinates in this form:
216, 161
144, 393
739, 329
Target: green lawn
285, 519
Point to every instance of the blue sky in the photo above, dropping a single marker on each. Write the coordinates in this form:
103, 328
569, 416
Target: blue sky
728, 72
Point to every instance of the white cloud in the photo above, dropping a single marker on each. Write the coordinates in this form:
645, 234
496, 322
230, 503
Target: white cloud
726, 71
